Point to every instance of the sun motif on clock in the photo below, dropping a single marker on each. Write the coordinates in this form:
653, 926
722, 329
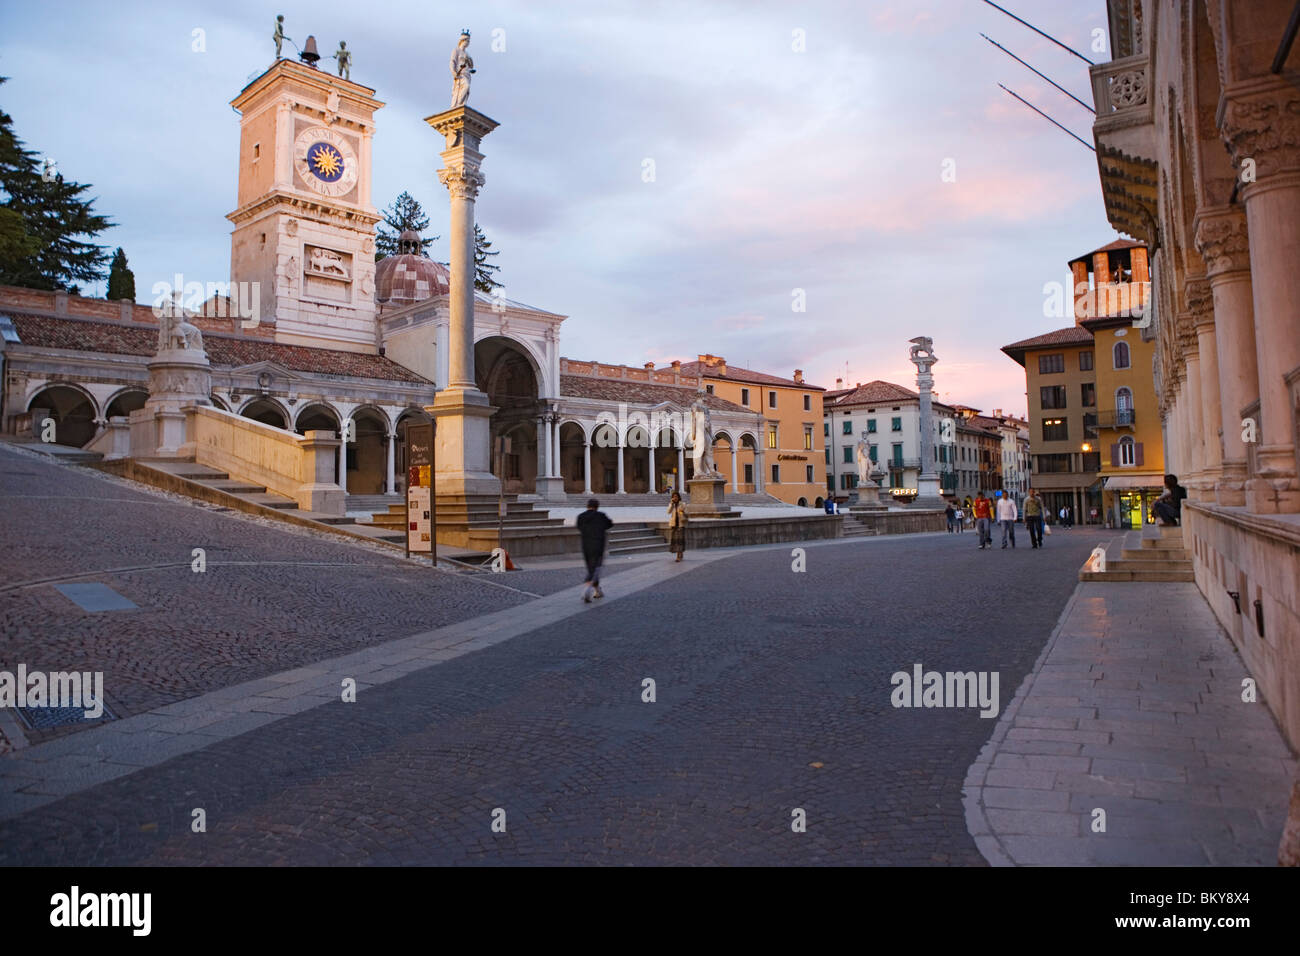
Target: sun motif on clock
325, 161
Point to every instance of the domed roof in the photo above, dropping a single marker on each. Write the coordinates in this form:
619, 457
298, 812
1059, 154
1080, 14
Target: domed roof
409, 276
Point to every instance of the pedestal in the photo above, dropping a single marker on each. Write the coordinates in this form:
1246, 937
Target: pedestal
868, 499
551, 489
177, 378
705, 498
929, 494
463, 445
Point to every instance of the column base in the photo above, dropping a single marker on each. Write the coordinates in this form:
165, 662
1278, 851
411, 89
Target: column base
463, 443
706, 498
550, 489
1272, 496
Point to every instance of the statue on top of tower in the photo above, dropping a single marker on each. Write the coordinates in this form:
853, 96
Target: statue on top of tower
344, 56
461, 67
278, 36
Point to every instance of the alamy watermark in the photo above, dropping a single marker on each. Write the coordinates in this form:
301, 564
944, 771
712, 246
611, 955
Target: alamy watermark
219, 300
82, 690
923, 688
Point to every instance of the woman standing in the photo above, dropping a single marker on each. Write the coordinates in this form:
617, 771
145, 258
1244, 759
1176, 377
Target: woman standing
676, 525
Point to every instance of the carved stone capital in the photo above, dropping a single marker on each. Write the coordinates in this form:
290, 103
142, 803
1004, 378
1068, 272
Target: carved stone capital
1200, 301
1222, 240
462, 180
1261, 122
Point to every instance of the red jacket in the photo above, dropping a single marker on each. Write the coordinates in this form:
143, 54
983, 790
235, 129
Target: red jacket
983, 508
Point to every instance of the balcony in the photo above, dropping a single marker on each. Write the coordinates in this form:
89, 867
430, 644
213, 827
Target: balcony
1121, 418
1125, 135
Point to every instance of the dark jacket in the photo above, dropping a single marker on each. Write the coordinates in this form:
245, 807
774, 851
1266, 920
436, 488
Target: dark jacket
592, 526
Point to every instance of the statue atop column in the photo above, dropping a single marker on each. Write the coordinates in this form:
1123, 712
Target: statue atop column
929, 493
461, 68
702, 440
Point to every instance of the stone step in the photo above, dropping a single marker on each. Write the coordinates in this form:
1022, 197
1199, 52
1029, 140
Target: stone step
1125, 564
233, 485
1119, 576
270, 500
646, 548
1155, 554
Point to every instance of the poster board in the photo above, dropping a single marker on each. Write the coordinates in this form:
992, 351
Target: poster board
421, 513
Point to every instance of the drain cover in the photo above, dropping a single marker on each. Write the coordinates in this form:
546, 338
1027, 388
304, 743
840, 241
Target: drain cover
48, 718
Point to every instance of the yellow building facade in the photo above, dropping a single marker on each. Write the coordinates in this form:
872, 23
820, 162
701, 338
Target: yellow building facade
793, 455
1111, 294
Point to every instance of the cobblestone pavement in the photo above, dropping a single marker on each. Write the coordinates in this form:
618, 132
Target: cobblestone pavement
272, 598
1135, 711
772, 694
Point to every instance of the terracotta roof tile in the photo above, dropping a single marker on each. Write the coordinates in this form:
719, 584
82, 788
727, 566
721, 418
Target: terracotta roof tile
738, 374
871, 393
1072, 335
640, 393
224, 351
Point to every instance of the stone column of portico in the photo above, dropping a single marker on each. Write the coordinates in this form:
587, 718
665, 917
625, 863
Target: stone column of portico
390, 482
735, 484
1222, 241
1261, 123
462, 459
681, 466
343, 466
653, 487
621, 489
1191, 404
586, 465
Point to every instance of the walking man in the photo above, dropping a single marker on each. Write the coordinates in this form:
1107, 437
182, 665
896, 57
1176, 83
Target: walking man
983, 520
1034, 519
592, 525
951, 514
1007, 516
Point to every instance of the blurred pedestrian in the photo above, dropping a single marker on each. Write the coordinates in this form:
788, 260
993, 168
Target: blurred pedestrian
676, 525
592, 526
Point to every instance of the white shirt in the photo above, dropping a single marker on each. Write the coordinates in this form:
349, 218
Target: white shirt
1007, 510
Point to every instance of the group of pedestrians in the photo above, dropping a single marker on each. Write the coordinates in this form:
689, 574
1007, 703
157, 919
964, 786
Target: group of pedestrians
593, 528
1005, 513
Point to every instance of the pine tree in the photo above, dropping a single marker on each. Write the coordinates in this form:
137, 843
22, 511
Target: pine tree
405, 212
121, 280
56, 220
484, 280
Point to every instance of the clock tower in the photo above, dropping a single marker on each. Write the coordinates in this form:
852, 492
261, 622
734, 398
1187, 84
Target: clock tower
304, 226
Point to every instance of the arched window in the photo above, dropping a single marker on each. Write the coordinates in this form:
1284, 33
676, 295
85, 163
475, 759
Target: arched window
1127, 451
1123, 405
1120, 352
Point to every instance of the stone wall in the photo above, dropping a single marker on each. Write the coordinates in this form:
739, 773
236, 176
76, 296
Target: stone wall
736, 532
903, 522
1256, 556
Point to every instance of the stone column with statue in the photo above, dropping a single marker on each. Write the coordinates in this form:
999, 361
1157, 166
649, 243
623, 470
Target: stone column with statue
929, 492
869, 472
707, 487
461, 410
179, 375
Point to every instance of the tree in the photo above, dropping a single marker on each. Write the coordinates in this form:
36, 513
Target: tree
405, 212
51, 251
484, 280
121, 280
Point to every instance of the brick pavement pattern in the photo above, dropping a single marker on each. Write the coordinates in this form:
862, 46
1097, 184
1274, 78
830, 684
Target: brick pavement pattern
1135, 709
773, 693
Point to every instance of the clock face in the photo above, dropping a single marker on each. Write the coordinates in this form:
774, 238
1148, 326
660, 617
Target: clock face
325, 161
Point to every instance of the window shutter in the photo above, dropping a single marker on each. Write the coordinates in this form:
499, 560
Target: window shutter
1114, 455
1137, 454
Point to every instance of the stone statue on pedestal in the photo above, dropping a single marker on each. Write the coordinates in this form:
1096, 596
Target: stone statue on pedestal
702, 440
175, 333
865, 464
344, 56
278, 36
461, 68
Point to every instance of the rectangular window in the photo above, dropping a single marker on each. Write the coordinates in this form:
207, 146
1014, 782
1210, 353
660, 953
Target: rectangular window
896, 424
776, 474
709, 389
826, 429
771, 399
848, 427
1052, 396
807, 438
1085, 361
1053, 464
808, 471
1055, 429
873, 453
744, 396
771, 436
807, 403
1047, 364
848, 456
828, 456
898, 454
871, 425
749, 474
1088, 394
1092, 461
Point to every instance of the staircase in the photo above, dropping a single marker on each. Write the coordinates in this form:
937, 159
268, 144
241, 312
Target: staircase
1155, 553
855, 527
625, 539
660, 500
254, 494
472, 522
